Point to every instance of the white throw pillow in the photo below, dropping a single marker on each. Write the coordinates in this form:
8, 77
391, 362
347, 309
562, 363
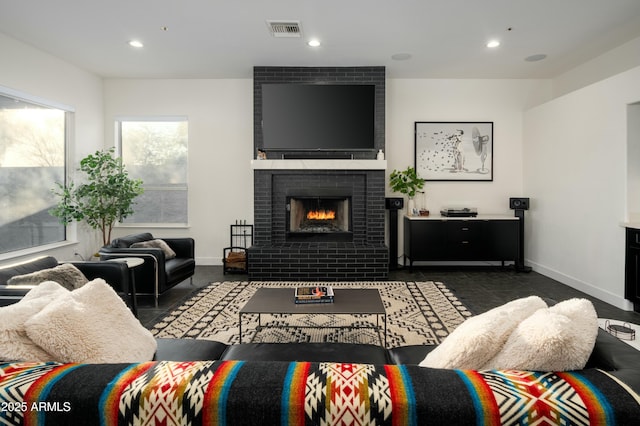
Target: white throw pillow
479, 338
91, 325
15, 345
559, 338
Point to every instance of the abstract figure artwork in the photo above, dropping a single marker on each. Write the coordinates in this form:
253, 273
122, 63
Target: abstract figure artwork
454, 151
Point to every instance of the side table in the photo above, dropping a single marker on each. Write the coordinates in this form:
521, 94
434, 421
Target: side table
132, 263
628, 338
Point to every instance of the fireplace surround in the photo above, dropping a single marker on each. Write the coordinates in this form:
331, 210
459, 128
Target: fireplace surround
356, 250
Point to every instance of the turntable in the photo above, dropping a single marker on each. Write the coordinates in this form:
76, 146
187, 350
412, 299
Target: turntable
459, 212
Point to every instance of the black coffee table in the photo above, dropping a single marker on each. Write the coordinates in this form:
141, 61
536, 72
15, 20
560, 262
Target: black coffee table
346, 302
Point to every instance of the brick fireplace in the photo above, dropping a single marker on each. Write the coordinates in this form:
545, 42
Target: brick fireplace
354, 252
351, 245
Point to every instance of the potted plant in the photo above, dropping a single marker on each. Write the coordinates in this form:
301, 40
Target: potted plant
406, 182
105, 197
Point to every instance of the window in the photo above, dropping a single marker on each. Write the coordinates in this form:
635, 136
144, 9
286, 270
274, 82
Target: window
156, 151
33, 139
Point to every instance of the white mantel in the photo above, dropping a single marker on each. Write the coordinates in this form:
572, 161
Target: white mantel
315, 164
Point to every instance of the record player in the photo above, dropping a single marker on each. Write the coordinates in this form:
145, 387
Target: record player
459, 212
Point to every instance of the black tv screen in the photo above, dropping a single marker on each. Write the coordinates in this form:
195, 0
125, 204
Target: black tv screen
318, 117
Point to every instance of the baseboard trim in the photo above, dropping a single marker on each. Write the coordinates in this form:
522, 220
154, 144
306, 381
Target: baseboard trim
209, 261
590, 289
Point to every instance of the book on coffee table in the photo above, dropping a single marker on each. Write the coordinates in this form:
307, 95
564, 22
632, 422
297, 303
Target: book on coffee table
314, 294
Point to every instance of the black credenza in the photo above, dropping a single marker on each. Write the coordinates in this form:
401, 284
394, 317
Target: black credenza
492, 238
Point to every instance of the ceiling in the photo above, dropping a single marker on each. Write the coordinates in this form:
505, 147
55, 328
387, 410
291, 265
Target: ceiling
226, 38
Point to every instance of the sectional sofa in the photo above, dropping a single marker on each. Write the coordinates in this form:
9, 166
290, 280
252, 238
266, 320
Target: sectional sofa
206, 382
108, 369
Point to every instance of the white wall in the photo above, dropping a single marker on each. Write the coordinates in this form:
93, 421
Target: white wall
633, 165
615, 61
575, 163
221, 141
500, 101
38, 74
220, 114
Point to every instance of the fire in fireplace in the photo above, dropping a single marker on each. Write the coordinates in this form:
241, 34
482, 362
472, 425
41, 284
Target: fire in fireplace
326, 218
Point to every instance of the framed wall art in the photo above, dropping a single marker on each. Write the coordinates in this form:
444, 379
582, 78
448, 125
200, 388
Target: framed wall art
454, 150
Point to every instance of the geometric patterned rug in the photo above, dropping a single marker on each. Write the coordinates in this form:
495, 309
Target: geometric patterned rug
417, 313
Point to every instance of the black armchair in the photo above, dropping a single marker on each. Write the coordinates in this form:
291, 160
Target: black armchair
158, 273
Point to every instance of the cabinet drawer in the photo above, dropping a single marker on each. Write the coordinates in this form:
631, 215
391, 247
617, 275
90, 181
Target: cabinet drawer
632, 276
465, 239
633, 237
464, 232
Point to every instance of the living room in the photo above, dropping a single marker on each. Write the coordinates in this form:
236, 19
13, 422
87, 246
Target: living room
551, 135
565, 135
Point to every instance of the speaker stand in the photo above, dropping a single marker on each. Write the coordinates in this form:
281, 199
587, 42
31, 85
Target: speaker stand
520, 266
393, 239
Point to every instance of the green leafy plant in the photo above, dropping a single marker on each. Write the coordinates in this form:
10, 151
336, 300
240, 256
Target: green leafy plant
105, 197
406, 182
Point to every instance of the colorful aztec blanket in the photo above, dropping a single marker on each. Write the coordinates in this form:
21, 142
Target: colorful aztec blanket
301, 393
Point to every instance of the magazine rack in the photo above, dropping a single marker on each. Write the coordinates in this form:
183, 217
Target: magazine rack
234, 257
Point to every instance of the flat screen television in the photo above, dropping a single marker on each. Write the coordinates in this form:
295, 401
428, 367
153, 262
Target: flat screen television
318, 117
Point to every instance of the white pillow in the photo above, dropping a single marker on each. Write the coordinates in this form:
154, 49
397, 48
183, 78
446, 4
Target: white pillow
91, 325
479, 338
559, 338
15, 345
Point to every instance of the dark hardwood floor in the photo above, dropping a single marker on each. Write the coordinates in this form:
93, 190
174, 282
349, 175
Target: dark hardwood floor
479, 288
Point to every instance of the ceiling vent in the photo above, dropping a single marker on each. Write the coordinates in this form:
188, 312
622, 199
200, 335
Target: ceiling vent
285, 28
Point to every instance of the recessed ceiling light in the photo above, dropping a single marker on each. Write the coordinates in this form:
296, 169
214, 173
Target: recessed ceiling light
535, 58
401, 56
136, 43
314, 43
493, 44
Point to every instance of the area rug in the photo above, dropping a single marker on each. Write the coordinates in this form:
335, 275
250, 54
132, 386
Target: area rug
417, 313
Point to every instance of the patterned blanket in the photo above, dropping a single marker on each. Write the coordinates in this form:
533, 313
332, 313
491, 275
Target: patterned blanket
300, 393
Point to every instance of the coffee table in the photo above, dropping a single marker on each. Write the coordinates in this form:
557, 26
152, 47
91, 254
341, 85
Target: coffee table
346, 302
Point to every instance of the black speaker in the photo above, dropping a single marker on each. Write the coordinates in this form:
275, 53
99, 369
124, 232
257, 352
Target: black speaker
394, 203
519, 203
